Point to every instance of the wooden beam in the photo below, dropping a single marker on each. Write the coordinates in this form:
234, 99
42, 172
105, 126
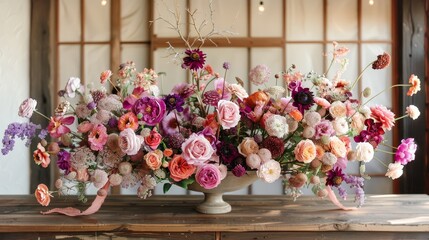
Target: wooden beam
413, 57
231, 42
40, 77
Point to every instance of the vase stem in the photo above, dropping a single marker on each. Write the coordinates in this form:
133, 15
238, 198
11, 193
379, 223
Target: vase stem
213, 204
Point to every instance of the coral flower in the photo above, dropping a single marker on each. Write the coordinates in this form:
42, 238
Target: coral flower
43, 195
383, 115
57, 126
415, 85
128, 120
180, 169
98, 137
41, 157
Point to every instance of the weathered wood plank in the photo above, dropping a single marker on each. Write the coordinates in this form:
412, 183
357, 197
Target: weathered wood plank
168, 214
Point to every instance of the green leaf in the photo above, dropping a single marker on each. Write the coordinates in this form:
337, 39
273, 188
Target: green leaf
166, 187
185, 182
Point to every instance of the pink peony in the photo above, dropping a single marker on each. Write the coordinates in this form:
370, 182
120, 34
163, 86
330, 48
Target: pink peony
129, 142
259, 74
383, 115
208, 176
228, 114
197, 149
27, 107
97, 138
85, 127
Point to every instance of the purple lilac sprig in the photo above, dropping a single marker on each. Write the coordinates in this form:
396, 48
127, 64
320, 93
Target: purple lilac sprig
21, 130
356, 183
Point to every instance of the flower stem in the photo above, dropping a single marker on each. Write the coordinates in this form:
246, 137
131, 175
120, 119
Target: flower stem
383, 151
393, 86
43, 115
381, 162
330, 65
360, 76
401, 117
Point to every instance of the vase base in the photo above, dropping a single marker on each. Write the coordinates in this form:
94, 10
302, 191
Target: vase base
208, 208
213, 204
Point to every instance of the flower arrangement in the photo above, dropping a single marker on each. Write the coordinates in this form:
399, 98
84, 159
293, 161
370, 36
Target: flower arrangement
193, 134
133, 136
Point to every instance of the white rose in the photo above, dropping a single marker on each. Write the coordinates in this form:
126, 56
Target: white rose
364, 152
269, 171
394, 170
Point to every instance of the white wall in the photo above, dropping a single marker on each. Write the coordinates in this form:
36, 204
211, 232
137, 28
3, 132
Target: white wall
14, 87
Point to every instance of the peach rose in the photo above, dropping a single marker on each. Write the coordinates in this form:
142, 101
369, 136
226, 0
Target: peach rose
248, 146
43, 195
338, 148
358, 122
338, 109
305, 151
153, 160
180, 169
319, 152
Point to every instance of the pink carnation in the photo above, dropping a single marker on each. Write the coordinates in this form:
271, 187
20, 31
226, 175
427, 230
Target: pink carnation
208, 176
383, 115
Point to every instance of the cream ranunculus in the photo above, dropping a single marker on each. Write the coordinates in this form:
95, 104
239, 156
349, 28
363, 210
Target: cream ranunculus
364, 152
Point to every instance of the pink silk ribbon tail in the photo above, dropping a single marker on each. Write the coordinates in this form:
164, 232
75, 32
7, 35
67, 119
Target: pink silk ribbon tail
73, 212
335, 201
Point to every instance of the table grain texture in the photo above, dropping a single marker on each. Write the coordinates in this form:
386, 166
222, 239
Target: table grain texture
252, 217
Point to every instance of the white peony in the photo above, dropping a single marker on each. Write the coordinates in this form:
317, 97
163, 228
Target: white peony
276, 125
394, 170
269, 171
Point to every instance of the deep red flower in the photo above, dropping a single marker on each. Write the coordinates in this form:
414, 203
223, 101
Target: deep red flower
194, 59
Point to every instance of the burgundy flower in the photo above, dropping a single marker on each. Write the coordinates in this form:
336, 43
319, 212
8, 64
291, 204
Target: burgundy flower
406, 151
227, 152
175, 140
238, 170
302, 99
174, 102
335, 177
211, 98
152, 110
195, 59
382, 61
275, 145
373, 134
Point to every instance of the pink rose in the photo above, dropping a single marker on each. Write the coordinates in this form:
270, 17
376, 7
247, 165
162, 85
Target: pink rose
208, 176
228, 114
196, 149
253, 161
27, 107
129, 142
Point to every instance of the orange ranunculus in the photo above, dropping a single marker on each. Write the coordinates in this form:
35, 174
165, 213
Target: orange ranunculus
128, 120
255, 97
168, 152
180, 169
296, 115
43, 195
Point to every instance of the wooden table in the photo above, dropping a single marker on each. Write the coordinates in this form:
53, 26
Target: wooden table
252, 217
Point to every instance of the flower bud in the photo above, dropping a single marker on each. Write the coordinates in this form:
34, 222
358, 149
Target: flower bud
315, 180
366, 92
322, 193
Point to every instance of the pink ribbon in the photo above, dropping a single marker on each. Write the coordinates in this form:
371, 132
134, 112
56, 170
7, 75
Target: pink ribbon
335, 201
73, 212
